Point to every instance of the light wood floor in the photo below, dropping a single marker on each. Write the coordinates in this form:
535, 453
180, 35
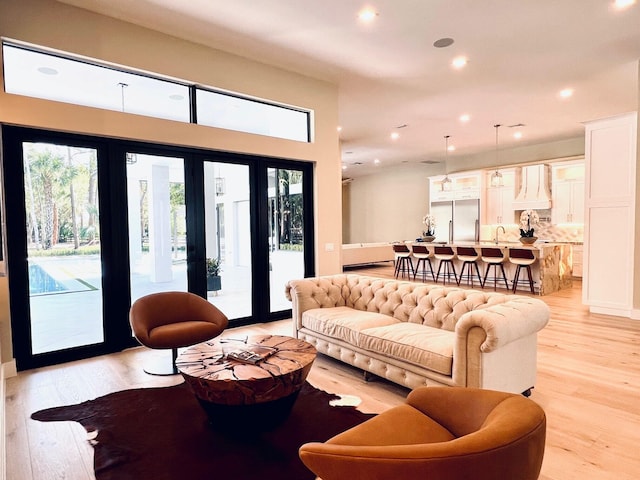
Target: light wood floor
588, 384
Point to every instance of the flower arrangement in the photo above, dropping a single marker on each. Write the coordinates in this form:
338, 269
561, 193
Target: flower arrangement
528, 219
430, 224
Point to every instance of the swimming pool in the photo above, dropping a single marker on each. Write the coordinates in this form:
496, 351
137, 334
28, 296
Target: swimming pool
40, 282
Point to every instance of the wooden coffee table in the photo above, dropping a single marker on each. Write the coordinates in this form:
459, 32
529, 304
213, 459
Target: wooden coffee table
236, 394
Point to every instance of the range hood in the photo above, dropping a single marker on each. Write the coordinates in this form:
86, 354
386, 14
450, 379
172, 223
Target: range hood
534, 189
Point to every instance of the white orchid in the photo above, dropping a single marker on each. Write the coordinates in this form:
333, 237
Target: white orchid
430, 223
528, 219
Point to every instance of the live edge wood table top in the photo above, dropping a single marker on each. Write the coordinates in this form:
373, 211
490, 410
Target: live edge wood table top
218, 380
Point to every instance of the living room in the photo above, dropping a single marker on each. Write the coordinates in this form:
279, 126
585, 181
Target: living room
93, 35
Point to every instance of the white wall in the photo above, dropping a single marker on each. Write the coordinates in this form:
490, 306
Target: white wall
388, 206
519, 154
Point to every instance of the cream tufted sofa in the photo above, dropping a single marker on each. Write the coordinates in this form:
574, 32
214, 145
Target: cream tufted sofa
418, 334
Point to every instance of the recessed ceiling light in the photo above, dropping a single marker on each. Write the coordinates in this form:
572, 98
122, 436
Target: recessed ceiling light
459, 62
443, 42
395, 135
377, 161
367, 15
48, 70
465, 117
339, 128
344, 167
451, 148
566, 93
622, 4
517, 135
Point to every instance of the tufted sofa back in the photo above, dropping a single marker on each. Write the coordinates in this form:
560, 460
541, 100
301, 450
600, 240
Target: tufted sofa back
428, 304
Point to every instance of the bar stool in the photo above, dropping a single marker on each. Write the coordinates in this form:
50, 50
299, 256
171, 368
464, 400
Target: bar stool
469, 257
446, 255
421, 252
403, 259
493, 257
522, 257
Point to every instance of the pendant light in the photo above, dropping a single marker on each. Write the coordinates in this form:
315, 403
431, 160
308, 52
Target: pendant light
446, 184
496, 177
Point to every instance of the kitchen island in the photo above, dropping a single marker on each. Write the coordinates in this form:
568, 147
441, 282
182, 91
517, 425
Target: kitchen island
552, 270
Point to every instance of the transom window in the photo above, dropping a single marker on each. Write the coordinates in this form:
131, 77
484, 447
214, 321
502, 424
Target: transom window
60, 77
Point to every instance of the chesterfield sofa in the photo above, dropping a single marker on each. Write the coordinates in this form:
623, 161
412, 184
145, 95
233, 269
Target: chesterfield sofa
418, 334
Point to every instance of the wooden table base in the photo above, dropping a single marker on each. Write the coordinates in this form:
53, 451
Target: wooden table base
240, 419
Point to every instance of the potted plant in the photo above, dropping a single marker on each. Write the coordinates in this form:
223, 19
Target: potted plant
430, 224
528, 219
214, 282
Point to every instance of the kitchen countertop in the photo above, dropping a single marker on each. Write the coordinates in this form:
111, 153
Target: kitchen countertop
489, 243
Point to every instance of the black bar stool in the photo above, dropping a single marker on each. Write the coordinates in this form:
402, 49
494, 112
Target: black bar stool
446, 255
469, 257
522, 257
494, 257
421, 252
403, 260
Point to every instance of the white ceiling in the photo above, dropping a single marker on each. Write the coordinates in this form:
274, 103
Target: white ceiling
521, 54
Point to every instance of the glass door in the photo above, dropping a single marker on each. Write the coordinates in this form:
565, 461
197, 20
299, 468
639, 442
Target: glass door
96, 223
63, 246
227, 216
157, 224
286, 232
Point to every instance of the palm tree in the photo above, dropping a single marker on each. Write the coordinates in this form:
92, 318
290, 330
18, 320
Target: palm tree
45, 168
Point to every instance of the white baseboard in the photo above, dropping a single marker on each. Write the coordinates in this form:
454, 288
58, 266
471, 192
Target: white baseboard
616, 312
7, 370
3, 449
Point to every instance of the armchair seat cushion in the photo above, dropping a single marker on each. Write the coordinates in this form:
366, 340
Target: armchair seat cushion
401, 425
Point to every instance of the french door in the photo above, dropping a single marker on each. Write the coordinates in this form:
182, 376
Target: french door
93, 224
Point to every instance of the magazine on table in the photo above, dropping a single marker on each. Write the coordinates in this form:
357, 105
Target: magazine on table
252, 354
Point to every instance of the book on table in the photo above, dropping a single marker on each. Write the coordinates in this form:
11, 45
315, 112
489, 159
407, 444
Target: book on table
252, 354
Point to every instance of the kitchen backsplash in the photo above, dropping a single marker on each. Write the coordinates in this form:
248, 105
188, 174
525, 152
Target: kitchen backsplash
545, 231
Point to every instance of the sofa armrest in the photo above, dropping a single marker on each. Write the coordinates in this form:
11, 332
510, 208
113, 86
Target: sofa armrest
505, 322
495, 347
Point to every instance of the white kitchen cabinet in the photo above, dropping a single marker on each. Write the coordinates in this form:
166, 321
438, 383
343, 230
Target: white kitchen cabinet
610, 237
498, 201
464, 186
436, 194
467, 186
568, 193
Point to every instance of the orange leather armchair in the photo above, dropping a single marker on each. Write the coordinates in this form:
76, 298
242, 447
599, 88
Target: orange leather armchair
170, 320
440, 433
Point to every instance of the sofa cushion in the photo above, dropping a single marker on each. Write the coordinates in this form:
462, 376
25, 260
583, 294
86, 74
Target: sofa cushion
420, 345
344, 323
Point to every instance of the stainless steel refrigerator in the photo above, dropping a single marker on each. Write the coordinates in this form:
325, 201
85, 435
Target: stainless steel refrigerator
457, 221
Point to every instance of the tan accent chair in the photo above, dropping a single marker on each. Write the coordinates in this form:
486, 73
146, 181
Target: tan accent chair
440, 433
171, 320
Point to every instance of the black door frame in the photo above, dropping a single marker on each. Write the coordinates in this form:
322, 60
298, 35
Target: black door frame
114, 234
